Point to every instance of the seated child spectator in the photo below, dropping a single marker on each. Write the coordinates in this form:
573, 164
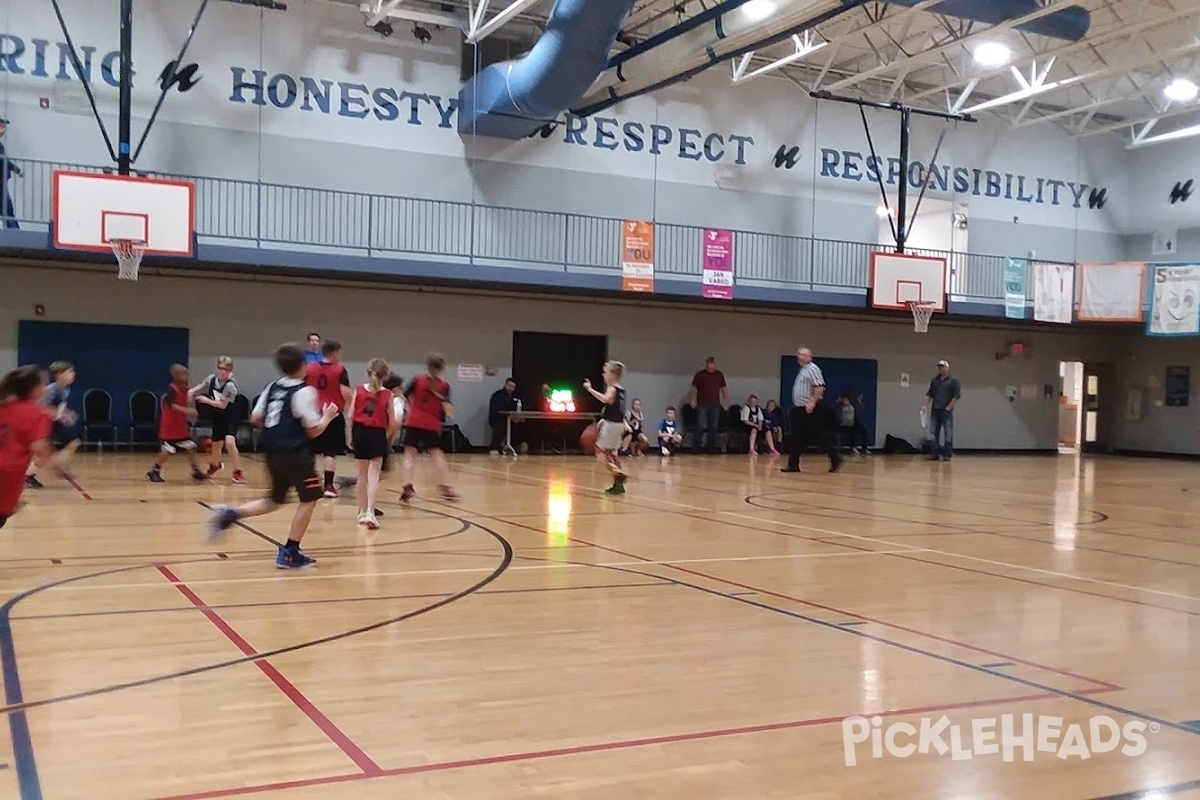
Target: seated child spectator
755, 419
670, 433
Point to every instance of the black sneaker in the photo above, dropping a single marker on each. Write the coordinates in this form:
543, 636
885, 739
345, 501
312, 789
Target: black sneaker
154, 476
31, 482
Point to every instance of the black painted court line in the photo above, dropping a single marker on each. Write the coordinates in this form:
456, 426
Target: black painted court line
1155, 793
997, 665
124, 612
852, 622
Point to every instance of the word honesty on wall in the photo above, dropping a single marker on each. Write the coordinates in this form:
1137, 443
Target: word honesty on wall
388, 104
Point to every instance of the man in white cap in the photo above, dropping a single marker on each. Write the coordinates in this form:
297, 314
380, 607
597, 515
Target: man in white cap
944, 393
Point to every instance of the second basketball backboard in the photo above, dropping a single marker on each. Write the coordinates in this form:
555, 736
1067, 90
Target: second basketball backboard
899, 279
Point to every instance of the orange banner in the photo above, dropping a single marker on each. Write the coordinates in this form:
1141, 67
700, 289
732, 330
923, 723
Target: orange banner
637, 256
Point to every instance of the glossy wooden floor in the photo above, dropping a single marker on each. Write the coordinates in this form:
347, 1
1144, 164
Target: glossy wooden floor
701, 637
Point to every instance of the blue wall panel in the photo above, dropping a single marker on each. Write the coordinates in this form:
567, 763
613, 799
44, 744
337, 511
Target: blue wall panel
117, 358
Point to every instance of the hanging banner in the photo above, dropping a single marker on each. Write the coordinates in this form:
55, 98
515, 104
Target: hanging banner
1053, 292
1014, 288
1174, 301
1111, 292
718, 264
637, 256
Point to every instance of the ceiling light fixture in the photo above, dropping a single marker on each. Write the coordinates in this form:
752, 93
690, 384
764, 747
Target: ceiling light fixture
992, 54
757, 10
1181, 90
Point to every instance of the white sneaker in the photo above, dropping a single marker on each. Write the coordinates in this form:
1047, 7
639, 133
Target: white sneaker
666, 452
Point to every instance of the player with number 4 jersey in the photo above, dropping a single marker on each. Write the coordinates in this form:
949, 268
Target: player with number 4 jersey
372, 415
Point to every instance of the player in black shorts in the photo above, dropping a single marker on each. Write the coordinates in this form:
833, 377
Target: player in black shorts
611, 427
218, 391
287, 412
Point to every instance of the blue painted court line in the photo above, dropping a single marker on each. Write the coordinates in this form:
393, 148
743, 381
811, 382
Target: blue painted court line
1193, 724
852, 622
997, 665
28, 782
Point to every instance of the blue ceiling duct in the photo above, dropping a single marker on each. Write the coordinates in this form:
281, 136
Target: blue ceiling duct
512, 99
1070, 23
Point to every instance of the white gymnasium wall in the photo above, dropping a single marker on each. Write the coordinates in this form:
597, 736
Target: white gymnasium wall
663, 346
1154, 171
388, 126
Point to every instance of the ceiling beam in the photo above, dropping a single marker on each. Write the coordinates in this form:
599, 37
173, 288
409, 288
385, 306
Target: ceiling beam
1041, 86
1053, 6
477, 33
1119, 32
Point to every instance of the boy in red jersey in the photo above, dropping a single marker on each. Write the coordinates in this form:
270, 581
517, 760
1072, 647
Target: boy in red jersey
428, 405
174, 426
24, 434
332, 383
372, 415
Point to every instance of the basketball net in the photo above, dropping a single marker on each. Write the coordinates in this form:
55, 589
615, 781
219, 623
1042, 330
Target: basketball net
129, 254
922, 310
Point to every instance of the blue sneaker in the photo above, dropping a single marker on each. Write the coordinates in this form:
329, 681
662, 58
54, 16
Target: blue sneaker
223, 517
293, 559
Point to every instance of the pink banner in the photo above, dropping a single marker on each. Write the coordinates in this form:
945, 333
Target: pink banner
718, 263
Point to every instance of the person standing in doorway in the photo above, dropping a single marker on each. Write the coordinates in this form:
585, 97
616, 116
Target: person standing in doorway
808, 422
709, 396
8, 170
943, 395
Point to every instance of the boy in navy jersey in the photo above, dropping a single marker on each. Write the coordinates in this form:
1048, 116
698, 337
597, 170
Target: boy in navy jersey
669, 435
287, 412
611, 427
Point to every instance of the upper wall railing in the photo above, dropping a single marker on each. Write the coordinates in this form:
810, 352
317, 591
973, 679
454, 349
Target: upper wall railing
278, 216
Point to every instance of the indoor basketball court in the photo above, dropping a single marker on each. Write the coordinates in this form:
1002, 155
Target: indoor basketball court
1014, 624
537, 634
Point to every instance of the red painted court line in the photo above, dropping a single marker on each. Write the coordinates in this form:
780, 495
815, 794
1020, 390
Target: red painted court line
598, 747
853, 615
77, 486
335, 734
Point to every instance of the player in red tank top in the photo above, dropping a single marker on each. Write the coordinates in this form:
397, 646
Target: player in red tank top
428, 405
24, 434
332, 383
174, 426
372, 415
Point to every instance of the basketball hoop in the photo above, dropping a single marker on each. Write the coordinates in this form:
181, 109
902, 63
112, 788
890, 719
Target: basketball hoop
922, 310
129, 254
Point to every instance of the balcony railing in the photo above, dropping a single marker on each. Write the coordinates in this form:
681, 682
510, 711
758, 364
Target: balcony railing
278, 216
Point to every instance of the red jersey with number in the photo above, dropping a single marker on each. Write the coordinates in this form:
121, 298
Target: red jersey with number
425, 397
370, 409
173, 424
328, 379
22, 422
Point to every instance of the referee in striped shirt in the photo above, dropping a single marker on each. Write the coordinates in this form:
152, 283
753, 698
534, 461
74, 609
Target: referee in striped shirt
809, 421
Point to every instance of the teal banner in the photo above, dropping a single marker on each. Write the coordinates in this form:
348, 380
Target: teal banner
1015, 270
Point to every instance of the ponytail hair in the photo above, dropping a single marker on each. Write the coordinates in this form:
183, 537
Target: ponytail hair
377, 373
20, 383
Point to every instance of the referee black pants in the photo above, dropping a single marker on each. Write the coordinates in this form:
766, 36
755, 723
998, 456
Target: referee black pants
806, 429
